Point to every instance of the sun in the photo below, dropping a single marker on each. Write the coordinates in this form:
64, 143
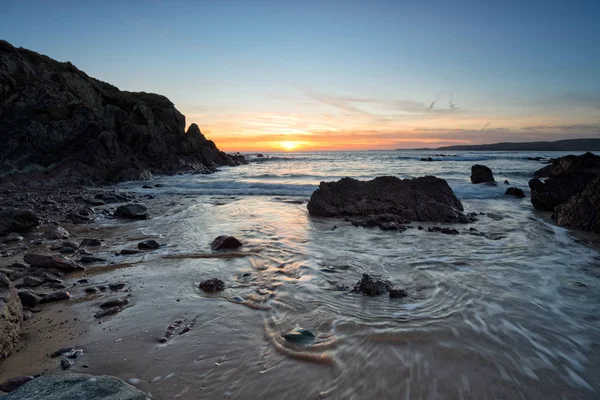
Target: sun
289, 145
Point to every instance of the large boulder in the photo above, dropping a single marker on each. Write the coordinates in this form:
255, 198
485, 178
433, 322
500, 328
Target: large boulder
60, 125
76, 386
17, 220
571, 191
481, 174
582, 211
11, 317
420, 199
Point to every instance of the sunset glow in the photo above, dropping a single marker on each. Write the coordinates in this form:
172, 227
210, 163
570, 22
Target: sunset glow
289, 145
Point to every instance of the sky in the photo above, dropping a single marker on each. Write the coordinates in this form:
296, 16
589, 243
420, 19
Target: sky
339, 75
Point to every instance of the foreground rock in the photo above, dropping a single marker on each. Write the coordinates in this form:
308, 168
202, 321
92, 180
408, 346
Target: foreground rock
76, 386
582, 211
212, 285
420, 199
51, 262
372, 286
11, 317
225, 243
481, 174
61, 126
571, 191
17, 220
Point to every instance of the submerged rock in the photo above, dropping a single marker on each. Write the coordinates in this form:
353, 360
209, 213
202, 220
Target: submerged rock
17, 220
398, 293
420, 199
76, 386
513, 191
372, 286
225, 243
150, 244
300, 336
481, 174
212, 285
132, 211
444, 230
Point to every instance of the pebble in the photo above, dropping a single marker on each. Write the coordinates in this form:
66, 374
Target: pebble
150, 244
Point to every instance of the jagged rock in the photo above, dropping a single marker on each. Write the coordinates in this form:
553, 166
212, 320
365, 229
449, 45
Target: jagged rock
60, 125
11, 317
481, 174
212, 285
89, 242
513, 191
585, 163
506, 182
150, 244
386, 222
225, 243
420, 199
53, 262
582, 211
28, 298
132, 211
76, 386
14, 219
372, 286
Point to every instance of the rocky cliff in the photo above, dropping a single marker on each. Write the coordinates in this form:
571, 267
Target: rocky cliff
59, 125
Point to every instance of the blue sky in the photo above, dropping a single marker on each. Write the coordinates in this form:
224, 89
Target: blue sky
339, 74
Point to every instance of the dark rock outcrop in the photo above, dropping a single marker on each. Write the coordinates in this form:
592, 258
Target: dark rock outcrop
481, 174
212, 285
76, 386
371, 286
17, 220
225, 242
11, 317
61, 126
513, 191
420, 199
571, 191
582, 211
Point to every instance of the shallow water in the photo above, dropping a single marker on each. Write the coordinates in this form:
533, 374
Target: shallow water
510, 311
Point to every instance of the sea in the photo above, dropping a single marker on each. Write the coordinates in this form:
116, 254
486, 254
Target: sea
509, 311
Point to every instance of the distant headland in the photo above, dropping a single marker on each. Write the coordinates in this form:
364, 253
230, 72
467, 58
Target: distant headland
559, 145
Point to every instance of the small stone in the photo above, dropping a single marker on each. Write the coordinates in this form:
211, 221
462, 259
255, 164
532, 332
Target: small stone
125, 252
57, 286
212, 285
57, 232
371, 286
115, 286
66, 363
61, 351
114, 303
32, 281
225, 243
28, 298
108, 311
150, 244
300, 336
91, 259
516, 192
90, 242
72, 245
132, 211
91, 290
66, 250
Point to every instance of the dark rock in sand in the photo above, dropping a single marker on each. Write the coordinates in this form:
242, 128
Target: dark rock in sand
61, 351
11, 317
481, 174
513, 191
16, 220
70, 244
54, 262
91, 259
300, 336
76, 386
55, 296
132, 211
420, 199
582, 211
61, 126
372, 286
225, 243
212, 285
150, 244
114, 286
91, 290
90, 242
12, 384
114, 303
108, 311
